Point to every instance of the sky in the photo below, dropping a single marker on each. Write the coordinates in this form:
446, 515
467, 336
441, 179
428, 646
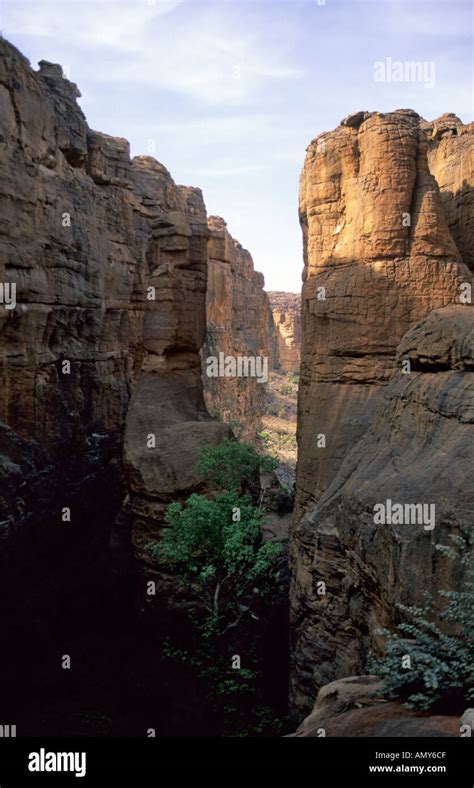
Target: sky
228, 94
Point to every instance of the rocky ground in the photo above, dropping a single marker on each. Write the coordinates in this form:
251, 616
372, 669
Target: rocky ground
352, 707
279, 439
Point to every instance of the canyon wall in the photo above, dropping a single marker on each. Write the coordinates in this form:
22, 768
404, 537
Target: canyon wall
286, 311
107, 265
378, 259
70, 348
102, 411
239, 324
119, 274
109, 258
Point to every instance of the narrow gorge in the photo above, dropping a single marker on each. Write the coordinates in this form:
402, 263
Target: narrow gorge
130, 311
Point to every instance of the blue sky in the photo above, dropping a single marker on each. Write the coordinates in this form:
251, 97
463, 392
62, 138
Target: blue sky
229, 93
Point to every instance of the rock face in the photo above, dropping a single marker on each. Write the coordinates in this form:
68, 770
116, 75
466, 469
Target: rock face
378, 259
371, 216
451, 161
104, 265
109, 259
286, 310
418, 450
239, 325
350, 707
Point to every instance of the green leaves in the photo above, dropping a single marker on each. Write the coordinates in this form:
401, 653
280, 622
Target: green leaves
214, 546
230, 465
205, 547
442, 658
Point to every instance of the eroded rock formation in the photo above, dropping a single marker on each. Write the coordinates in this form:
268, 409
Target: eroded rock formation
239, 325
286, 310
418, 450
371, 217
109, 259
100, 357
451, 161
379, 258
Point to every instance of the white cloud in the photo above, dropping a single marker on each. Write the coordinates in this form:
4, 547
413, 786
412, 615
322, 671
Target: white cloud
118, 24
203, 50
195, 56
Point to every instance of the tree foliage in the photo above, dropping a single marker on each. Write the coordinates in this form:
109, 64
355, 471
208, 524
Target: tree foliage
214, 547
230, 465
441, 672
224, 559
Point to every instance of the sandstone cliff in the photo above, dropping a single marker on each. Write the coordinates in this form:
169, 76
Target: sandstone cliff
102, 409
379, 258
239, 324
109, 259
371, 217
451, 161
286, 311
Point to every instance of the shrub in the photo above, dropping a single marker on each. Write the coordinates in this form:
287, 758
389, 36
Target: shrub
441, 673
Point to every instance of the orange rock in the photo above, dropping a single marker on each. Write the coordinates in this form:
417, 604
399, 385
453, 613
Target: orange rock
379, 257
286, 310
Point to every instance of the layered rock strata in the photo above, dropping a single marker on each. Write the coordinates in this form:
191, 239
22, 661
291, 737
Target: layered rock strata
418, 451
378, 259
109, 260
239, 326
103, 281
286, 311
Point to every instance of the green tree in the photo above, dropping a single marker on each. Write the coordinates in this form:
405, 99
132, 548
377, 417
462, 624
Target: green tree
231, 465
215, 549
215, 545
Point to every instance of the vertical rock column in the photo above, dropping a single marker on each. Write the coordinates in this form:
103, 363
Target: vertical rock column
167, 421
239, 324
451, 161
378, 258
